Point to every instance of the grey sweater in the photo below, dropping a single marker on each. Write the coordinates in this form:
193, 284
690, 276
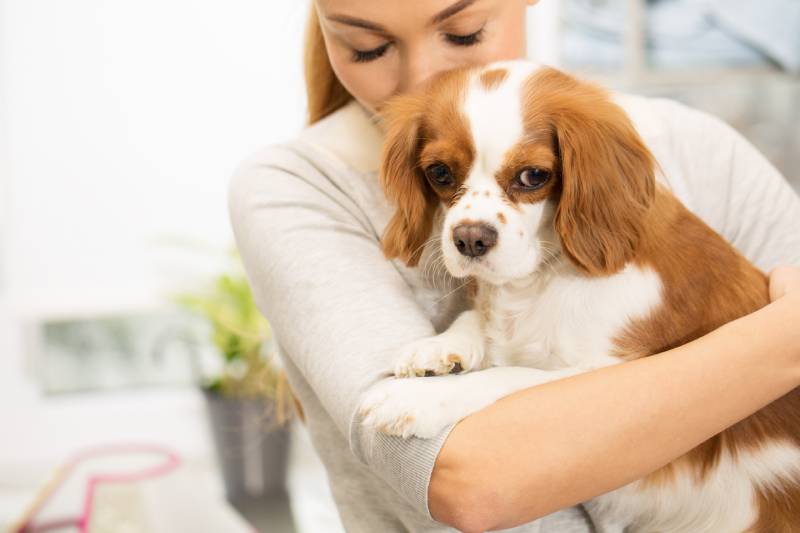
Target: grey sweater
307, 217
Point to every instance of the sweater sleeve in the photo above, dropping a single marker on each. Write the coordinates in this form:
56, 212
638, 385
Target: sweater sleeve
733, 187
339, 309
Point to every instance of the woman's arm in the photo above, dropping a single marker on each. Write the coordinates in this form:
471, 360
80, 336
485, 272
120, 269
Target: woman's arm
561, 443
339, 310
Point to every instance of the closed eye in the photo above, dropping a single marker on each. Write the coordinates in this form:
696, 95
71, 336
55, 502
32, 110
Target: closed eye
470, 39
363, 56
465, 40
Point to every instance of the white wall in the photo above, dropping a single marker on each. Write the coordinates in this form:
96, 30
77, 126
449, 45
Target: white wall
124, 120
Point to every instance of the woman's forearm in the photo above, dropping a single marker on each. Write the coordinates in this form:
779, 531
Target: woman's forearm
558, 444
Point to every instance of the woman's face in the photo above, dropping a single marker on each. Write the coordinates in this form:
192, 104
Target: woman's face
379, 48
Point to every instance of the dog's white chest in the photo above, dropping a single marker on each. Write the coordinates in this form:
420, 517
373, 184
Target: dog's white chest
564, 319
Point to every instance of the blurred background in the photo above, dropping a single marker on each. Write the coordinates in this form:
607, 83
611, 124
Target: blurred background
127, 334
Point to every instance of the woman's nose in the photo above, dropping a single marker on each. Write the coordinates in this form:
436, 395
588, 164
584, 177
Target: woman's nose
418, 67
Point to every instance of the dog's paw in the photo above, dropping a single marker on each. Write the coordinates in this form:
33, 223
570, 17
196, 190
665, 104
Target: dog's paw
439, 355
409, 407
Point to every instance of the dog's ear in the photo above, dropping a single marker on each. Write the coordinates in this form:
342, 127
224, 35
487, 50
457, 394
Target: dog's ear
403, 181
607, 175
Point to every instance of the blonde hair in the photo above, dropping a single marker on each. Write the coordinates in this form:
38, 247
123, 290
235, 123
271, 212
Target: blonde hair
325, 93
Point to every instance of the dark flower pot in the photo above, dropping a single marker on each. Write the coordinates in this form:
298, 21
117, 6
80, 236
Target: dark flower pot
252, 450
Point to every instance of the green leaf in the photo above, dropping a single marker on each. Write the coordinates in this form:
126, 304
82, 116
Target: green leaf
238, 331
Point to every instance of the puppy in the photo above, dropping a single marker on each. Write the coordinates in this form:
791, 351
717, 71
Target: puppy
544, 197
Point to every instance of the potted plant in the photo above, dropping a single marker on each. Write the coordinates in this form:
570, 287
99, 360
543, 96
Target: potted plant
247, 399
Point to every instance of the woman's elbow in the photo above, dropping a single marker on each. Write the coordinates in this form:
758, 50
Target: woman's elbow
465, 494
458, 505
460, 497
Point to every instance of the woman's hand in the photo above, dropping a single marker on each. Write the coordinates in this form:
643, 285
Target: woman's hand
784, 291
784, 280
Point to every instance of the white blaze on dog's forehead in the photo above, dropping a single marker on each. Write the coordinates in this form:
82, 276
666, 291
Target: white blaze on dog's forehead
495, 114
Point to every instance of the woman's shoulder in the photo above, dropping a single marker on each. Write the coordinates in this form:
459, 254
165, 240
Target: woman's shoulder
333, 161
667, 120
721, 177
349, 135
346, 141
687, 143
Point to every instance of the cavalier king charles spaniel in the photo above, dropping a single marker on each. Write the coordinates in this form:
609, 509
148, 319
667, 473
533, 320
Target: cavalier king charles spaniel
538, 191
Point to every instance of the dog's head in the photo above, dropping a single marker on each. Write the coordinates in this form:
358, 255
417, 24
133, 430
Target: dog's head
527, 163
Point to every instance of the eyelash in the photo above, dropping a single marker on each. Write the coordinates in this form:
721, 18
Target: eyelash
465, 40
360, 56
365, 56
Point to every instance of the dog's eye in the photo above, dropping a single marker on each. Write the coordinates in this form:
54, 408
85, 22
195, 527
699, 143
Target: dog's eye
532, 178
439, 174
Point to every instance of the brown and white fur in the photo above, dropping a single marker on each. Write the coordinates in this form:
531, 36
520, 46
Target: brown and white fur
594, 264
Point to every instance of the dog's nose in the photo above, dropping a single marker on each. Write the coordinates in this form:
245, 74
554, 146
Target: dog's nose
474, 240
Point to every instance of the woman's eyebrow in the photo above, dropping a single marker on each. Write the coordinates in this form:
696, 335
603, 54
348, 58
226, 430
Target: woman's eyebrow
359, 23
368, 25
450, 11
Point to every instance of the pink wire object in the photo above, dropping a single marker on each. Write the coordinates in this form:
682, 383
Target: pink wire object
171, 462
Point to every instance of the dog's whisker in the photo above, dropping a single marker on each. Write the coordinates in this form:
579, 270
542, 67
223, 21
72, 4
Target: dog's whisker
452, 291
441, 269
423, 245
433, 268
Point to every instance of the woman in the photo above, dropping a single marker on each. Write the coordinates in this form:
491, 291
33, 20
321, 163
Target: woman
307, 218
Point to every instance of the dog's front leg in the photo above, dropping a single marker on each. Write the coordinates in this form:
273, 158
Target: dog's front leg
424, 406
460, 348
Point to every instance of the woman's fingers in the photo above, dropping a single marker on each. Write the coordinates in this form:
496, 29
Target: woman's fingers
783, 280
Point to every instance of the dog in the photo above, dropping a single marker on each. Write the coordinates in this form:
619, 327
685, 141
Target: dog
545, 200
